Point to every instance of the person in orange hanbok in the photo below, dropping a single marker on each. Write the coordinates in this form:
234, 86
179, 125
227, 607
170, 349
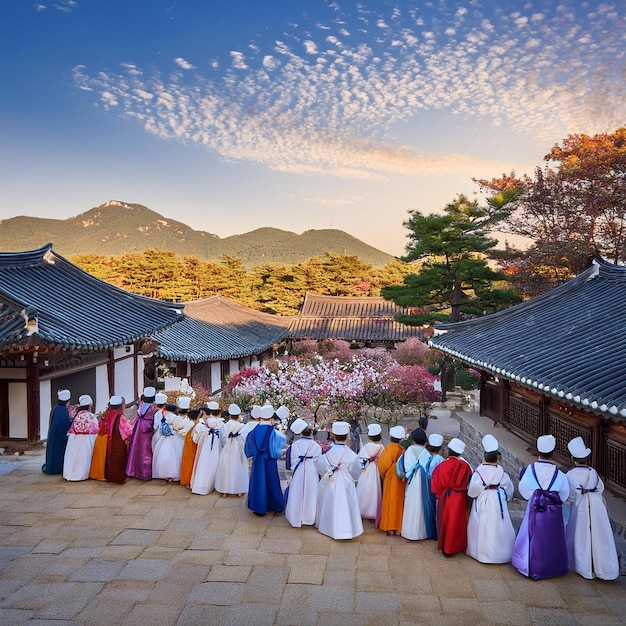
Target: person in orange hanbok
392, 505
110, 449
449, 482
190, 448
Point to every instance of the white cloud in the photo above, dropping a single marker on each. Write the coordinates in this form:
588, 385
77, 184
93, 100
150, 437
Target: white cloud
184, 64
330, 111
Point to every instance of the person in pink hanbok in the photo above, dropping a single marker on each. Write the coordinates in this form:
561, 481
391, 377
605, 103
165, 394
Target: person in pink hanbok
80, 441
369, 489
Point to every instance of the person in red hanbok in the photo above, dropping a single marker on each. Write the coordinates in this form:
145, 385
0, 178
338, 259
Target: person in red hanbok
449, 483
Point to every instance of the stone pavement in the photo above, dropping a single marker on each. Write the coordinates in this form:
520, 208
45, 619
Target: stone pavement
153, 553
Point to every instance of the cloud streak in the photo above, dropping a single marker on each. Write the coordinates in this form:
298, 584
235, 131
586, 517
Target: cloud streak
325, 98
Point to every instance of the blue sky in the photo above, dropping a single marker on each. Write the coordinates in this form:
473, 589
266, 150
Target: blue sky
230, 115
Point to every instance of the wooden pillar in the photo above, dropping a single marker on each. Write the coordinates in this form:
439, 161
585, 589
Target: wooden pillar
33, 400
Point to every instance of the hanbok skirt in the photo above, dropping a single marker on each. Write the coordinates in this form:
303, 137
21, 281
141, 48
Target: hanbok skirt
78, 455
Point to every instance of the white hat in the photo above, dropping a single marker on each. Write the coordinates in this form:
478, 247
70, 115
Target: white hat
374, 429
184, 402
456, 445
115, 400
298, 425
267, 412
340, 428
578, 449
282, 412
397, 432
214, 421
213, 406
546, 443
490, 443
85, 400
149, 392
255, 413
64, 395
234, 409
160, 398
435, 440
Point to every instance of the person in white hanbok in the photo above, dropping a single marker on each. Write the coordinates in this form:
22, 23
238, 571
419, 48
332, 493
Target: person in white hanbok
232, 470
301, 494
590, 540
490, 533
420, 459
80, 441
168, 451
160, 399
253, 420
207, 436
369, 488
338, 513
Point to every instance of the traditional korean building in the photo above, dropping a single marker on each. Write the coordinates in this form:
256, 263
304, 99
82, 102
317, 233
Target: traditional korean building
217, 338
62, 328
369, 322
556, 364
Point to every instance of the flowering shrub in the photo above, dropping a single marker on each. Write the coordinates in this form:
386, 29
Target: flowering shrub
329, 389
413, 351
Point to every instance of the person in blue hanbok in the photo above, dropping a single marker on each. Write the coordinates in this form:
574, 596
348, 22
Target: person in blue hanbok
60, 422
418, 518
265, 445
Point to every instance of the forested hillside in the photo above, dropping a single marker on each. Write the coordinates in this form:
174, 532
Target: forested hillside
271, 287
115, 228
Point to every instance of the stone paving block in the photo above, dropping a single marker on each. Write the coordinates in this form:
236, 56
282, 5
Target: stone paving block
202, 557
218, 593
11, 553
136, 538
106, 610
333, 598
544, 594
306, 569
331, 618
200, 614
149, 522
11, 617
254, 557
372, 563
336, 562
415, 605
451, 586
314, 543
120, 552
250, 542
366, 601
251, 613
340, 578
229, 573
374, 617
103, 570
550, 616
461, 610
380, 580
50, 547
266, 584
146, 569
504, 612
491, 589
154, 614
295, 607
160, 552
207, 540
135, 590
175, 539
27, 567
61, 569
280, 546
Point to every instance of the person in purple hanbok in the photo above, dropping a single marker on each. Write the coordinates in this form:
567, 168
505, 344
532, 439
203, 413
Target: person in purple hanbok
540, 549
139, 464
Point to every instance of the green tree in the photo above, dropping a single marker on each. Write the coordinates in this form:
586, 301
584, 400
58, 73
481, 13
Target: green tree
455, 279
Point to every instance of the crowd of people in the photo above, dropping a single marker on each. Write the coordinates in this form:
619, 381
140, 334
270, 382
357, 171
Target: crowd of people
406, 487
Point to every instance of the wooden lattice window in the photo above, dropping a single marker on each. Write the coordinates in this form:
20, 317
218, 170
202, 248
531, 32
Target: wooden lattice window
565, 429
523, 417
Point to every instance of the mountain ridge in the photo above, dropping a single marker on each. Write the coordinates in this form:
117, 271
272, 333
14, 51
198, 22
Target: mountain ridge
117, 227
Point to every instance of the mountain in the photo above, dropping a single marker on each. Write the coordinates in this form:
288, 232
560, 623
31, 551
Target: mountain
114, 228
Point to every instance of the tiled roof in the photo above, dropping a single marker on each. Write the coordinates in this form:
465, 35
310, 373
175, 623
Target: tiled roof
351, 319
569, 342
216, 329
47, 301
